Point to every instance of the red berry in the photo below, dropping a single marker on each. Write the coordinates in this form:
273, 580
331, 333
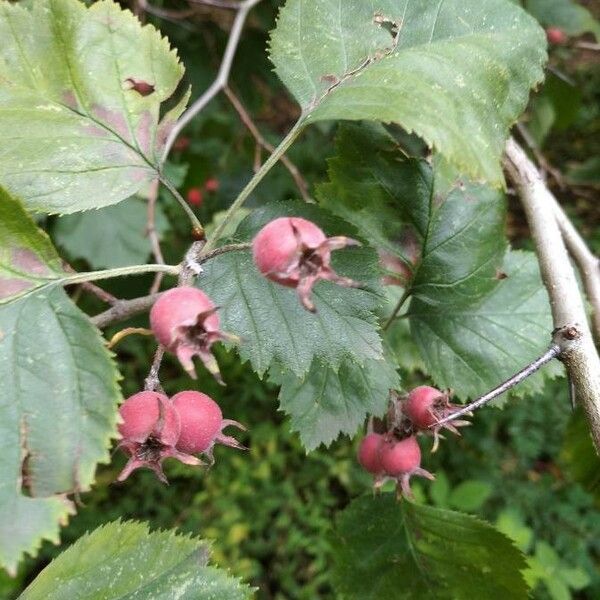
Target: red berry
150, 431
202, 423
140, 414
423, 406
296, 253
556, 36
212, 185
369, 453
426, 406
194, 196
185, 321
181, 144
400, 457
401, 460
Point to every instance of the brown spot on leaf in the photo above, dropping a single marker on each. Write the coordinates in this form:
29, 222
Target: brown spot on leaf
143, 133
500, 275
390, 25
26, 261
330, 79
69, 99
114, 120
143, 88
95, 131
162, 133
12, 287
25, 459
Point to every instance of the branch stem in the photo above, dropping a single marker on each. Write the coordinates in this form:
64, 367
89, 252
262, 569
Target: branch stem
580, 358
530, 369
262, 143
152, 234
587, 263
287, 141
197, 226
119, 272
222, 76
397, 309
124, 309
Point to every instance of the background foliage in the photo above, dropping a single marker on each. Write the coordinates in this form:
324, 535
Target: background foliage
269, 512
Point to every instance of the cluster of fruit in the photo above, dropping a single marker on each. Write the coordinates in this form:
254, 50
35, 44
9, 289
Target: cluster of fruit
195, 195
291, 251
393, 453
155, 427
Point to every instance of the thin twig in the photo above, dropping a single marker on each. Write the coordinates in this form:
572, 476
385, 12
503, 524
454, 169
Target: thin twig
587, 262
397, 309
99, 292
190, 266
262, 142
152, 382
539, 156
218, 3
168, 15
529, 370
124, 309
121, 335
588, 46
224, 249
579, 355
93, 288
153, 235
287, 141
197, 226
222, 76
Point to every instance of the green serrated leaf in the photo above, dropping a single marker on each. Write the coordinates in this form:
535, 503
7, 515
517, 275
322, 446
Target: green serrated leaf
80, 100
456, 66
123, 560
269, 319
386, 549
327, 402
465, 314
470, 495
57, 416
114, 236
367, 177
510, 522
473, 346
27, 258
439, 490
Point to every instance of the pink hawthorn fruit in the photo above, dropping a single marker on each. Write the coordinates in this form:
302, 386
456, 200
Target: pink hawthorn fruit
150, 431
369, 453
212, 185
401, 460
185, 321
426, 405
296, 253
202, 424
195, 196
556, 36
181, 144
